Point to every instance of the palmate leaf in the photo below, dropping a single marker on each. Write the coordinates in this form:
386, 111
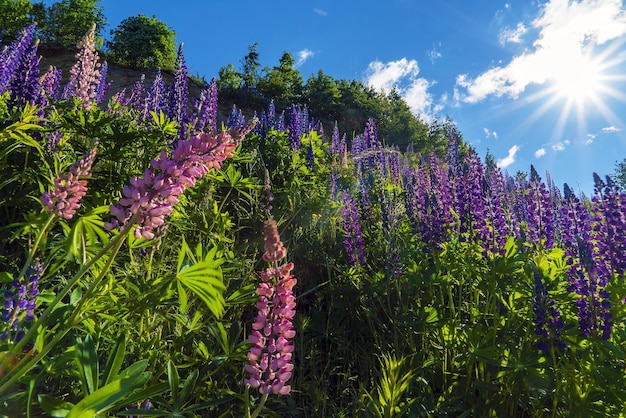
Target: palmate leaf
203, 277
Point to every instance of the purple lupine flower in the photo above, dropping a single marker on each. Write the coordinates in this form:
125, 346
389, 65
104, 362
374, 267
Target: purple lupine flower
588, 269
84, 74
495, 235
541, 219
270, 357
280, 122
470, 204
236, 119
49, 83
357, 146
156, 96
20, 303
390, 211
154, 194
310, 157
103, 85
12, 55
53, 139
395, 165
610, 205
138, 99
295, 127
177, 103
24, 87
343, 151
204, 115
69, 189
354, 244
548, 321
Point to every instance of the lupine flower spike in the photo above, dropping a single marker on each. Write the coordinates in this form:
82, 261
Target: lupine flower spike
270, 357
69, 188
154, 194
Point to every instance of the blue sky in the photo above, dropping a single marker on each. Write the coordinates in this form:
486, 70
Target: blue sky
535, 82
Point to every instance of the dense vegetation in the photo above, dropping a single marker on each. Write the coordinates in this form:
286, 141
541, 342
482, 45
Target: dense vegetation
153, 264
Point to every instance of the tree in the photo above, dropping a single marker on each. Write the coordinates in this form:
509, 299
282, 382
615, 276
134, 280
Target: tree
142, 42
282, 83
229, 78
323, 96
250, 69
15, 15
68, 21
619, 175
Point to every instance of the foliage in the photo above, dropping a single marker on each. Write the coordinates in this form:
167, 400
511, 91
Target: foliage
14, 16
131, 266
619, 173
142, 42
67, 21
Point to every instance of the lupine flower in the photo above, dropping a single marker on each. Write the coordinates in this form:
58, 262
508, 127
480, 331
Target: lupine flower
156, 96
139, 98
270, 358
295, 127
310, 157
24, 87
353, 242
49, 84
84, 74
20, 302
12, 55
177, 103
235, 119
540, 219
204, 115
154, 194
69, 189
103, 87
589, 266
548, 321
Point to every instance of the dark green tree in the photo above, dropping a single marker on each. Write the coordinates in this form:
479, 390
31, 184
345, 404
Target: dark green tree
402, 126
250, 67
15, 15
142, 42
68, 21
323, 96
282, 83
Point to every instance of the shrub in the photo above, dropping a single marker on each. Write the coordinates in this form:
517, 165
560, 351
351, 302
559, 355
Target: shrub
142, 42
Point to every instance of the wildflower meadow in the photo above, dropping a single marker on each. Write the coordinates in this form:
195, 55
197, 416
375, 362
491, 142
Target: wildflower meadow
157, 261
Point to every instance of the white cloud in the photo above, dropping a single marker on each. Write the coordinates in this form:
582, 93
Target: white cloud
490, 134
509, 159
403, 75
559, 146
566, 29
303, 55
611, 129
434, 55
508, 35
320, 12
540, 152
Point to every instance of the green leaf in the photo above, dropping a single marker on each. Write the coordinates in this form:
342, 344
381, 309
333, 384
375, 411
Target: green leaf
114, 362
174, 381
203, 278
87, 359
53, 406
110, 395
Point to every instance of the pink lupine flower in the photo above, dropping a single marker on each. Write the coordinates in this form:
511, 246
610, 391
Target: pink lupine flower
153, 195
85, 75
69, 188
270, 356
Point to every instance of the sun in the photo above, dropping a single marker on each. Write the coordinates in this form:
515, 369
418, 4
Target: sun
577, 78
